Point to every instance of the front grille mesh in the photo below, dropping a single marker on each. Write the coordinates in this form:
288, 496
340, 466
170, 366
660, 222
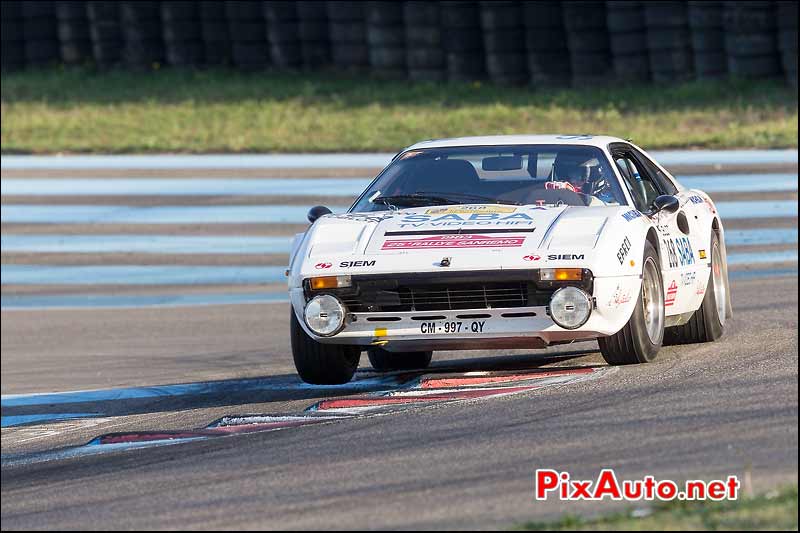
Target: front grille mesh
439, 297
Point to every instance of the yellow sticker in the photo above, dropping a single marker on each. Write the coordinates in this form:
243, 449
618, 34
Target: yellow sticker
380, 332
702, 254
469, 209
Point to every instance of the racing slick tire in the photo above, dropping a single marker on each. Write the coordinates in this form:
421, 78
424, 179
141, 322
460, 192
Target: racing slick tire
640, 339
322, 364
708, 322
384, 361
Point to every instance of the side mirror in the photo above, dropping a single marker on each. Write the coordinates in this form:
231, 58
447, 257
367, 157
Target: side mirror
666, 202
315, 212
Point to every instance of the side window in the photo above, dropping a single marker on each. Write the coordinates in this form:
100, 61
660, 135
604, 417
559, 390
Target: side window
642, 189
664, 183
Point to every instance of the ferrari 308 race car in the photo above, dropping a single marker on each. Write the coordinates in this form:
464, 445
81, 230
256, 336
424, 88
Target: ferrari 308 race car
508, 242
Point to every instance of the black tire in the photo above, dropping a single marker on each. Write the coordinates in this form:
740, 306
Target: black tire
423, 37
705, 324
420, 13
632, 344
321, 364
383, 361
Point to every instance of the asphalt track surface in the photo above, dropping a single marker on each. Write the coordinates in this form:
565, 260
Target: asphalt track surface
460, 461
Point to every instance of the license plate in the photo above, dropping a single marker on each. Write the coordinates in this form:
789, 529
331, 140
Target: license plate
452, 327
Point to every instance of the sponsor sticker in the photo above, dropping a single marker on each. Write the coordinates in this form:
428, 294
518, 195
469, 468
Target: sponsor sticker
469, 209
532, 257
454, 241
702, 254
622, 253
320, 266
679, 252
620, 297
565, 257
356, 264
631, 215
420, 220
688, 278
672, 292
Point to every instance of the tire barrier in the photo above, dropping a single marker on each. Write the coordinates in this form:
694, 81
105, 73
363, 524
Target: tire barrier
504, 42
74, 40
511, 42
587, 39
12, 39
214, 29
40, 33
348, 35
140, 22
546, 43
627, 35
183, 33
248, 32
282, 34
461, 34
668, 41
312, 30
104, 29
386, 39
750, 39
787, 39
424, 49
708, 39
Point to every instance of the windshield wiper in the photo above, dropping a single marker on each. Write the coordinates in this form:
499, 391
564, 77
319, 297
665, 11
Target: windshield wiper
412, 200
483, 199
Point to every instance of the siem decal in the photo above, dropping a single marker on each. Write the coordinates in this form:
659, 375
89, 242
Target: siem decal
632, 215
320, 266
622, 253
455, 241
565, 257
532, 257
354, 264
672, 292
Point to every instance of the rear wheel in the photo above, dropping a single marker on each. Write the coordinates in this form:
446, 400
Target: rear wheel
322, 364
384, 361
640, 339
708, 322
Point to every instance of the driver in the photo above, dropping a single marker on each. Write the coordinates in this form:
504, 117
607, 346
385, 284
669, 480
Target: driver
570, 173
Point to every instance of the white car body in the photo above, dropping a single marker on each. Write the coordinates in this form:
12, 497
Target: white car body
608, 241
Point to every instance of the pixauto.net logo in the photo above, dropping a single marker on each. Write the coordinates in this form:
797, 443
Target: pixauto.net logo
551, 483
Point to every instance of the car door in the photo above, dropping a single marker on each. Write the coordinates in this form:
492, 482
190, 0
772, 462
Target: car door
679, 262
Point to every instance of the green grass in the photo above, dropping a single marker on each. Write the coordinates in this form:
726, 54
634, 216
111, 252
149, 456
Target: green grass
774, 511
222, 111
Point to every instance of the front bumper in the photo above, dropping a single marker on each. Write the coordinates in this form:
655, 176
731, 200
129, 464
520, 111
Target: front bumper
512, 327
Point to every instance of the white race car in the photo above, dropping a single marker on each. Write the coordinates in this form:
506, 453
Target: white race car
508, 242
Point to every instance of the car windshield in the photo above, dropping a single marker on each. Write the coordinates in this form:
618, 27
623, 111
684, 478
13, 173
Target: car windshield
518, 175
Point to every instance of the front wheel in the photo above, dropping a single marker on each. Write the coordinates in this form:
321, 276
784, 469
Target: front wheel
640, 339
385, 361
322, 364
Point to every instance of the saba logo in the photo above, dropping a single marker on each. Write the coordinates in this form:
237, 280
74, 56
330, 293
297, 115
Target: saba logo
320, 266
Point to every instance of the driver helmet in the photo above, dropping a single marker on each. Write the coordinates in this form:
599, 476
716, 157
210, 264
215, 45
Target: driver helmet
574, 172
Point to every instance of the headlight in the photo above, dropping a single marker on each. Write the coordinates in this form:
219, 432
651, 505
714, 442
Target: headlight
570, 307
324, 315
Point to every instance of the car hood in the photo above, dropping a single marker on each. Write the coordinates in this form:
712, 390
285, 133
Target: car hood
477, 235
